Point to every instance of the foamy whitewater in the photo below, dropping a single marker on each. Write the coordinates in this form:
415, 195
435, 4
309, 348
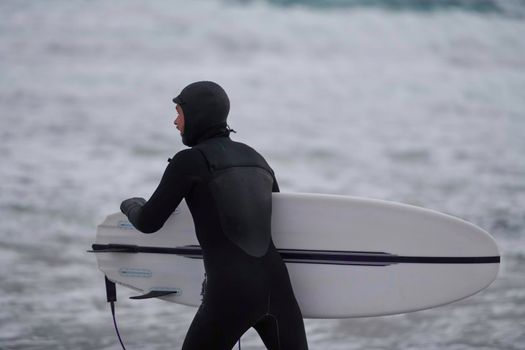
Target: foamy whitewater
424, 106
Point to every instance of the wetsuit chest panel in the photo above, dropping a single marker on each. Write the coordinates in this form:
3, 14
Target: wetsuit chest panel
243, 196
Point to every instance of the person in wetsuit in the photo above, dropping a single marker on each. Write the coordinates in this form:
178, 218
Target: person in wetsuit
228, 188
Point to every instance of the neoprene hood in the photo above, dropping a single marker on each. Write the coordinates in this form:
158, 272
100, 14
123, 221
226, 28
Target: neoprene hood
206, 106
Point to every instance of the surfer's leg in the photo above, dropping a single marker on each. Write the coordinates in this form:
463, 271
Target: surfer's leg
282, 326
284, 333
268, 329
291, 331
212, 329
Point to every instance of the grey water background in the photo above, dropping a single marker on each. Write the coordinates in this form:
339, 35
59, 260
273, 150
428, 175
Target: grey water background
411, 101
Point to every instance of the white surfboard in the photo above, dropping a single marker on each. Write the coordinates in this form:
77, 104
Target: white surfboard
347, 257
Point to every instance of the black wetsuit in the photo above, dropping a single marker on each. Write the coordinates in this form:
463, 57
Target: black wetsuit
227, 186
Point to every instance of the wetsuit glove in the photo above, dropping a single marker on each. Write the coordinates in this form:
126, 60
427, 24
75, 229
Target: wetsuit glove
131, 204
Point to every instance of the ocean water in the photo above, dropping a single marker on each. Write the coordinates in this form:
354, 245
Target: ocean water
422, 104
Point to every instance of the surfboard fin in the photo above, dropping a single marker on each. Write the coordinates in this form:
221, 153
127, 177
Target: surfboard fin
155, 294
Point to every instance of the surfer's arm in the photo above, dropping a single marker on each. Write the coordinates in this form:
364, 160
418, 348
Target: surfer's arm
177, 181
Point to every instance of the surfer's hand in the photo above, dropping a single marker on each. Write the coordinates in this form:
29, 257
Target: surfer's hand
127, 205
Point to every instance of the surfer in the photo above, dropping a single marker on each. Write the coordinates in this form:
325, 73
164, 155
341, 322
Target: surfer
228, 188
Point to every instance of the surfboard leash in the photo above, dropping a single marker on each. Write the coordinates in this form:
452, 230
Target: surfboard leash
111, 295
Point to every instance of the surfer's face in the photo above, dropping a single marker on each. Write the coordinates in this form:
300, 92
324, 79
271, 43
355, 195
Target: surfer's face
179, 121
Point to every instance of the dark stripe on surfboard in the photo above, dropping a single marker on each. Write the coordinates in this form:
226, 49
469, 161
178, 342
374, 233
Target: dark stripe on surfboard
331, 257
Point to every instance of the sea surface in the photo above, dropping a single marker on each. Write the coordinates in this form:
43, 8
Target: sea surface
421, 102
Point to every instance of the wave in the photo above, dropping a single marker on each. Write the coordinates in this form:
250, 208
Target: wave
512, 8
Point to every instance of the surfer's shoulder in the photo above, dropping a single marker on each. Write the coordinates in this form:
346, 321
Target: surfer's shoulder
187, 159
